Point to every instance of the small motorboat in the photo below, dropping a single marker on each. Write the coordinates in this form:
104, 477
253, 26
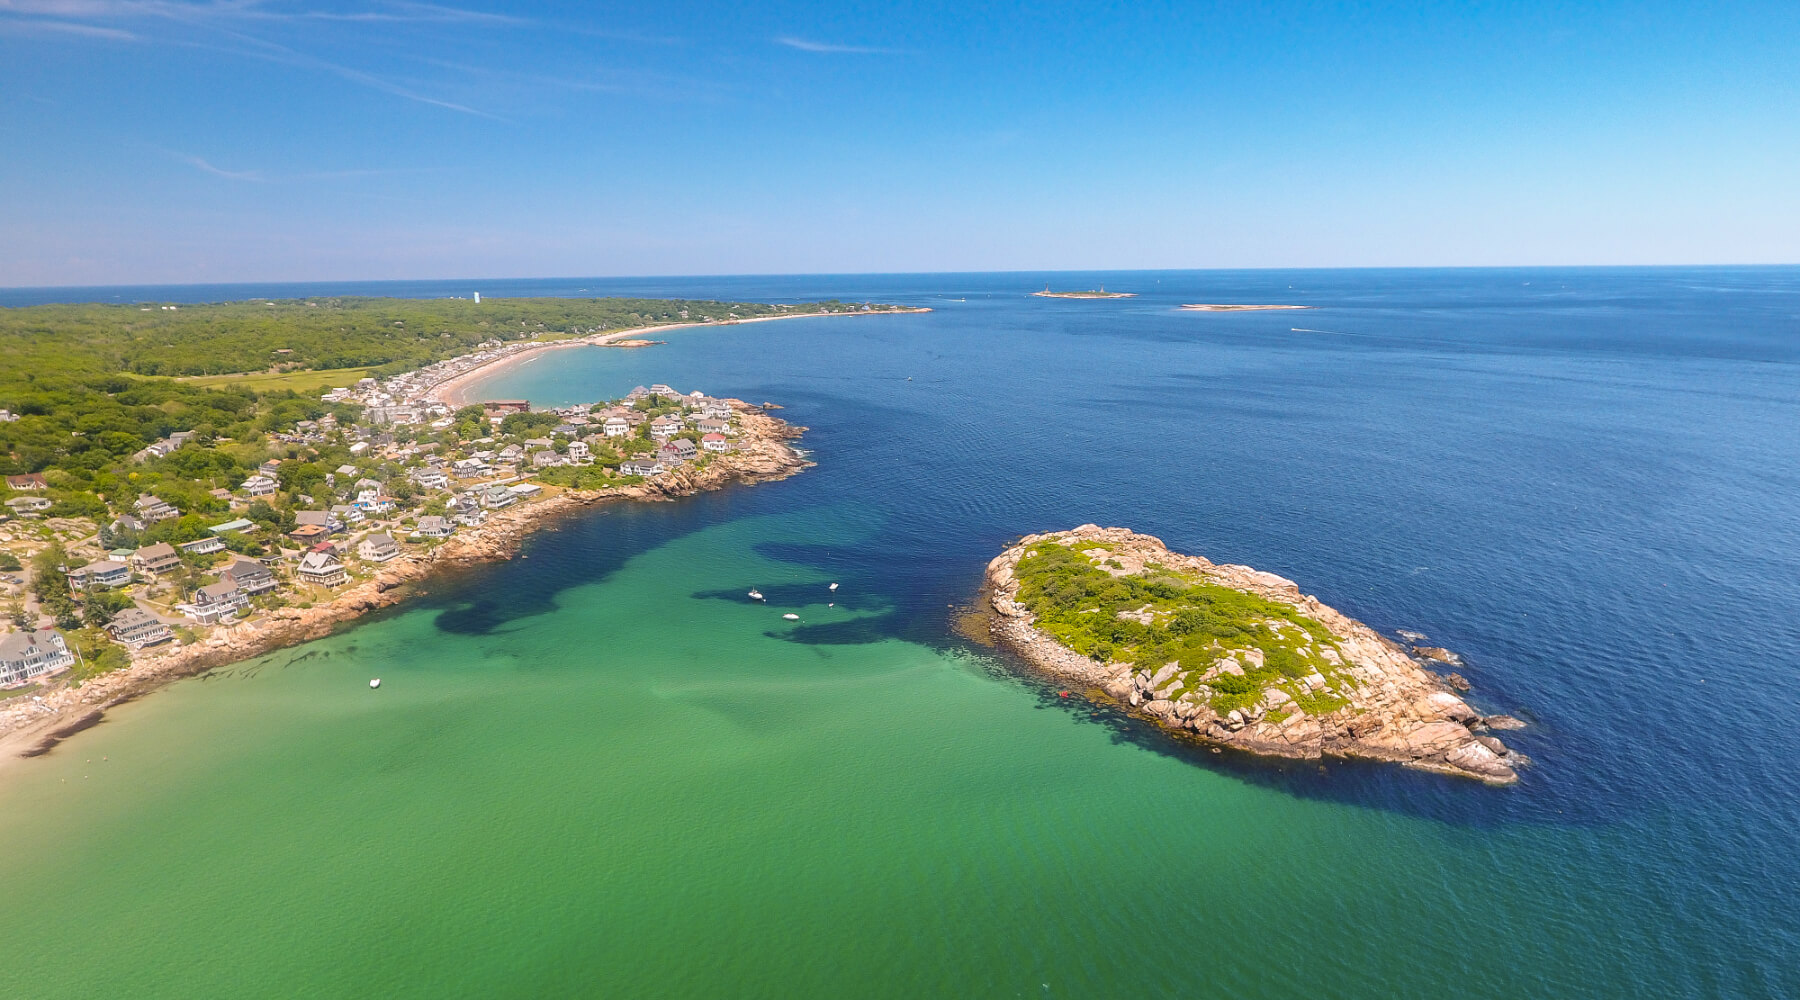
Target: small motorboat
375, 683
755, 595
791, 617
833, 604
834, 586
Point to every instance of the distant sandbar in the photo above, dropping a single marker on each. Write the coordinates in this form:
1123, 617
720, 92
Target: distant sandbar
1216, 307
1096, 294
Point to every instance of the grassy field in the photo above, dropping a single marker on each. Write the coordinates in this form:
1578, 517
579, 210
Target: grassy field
1191, 622
303, 382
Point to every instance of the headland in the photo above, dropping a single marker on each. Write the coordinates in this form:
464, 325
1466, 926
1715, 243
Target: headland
1230, 656
762, 451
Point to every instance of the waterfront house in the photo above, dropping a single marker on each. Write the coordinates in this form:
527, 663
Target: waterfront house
102, 575
579, 453
138, 628
645, 467
250, 577
203, 546
718, 409
155, 560
678, 450
321, 569
29, 505
659, 389
524, 491
433, 526
26, 656
712, 425
496, 497
715, 442
377, 548
215, 603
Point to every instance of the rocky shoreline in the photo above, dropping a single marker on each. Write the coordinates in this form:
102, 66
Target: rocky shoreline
37, 725
1397, 710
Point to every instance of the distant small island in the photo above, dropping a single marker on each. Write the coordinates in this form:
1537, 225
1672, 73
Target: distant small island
1217, 307
1097, 293
1230, 655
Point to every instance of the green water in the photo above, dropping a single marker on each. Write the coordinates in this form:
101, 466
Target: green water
644, 792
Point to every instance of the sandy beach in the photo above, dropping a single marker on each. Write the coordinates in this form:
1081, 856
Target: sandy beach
461, 389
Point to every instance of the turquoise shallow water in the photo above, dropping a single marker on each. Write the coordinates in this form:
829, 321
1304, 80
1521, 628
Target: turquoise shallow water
598, 771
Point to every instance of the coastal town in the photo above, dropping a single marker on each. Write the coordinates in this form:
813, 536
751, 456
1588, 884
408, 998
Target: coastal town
197, 544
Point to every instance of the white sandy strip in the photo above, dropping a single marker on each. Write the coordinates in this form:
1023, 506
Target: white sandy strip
461, 389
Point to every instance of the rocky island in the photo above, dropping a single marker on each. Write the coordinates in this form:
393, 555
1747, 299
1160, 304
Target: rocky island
1229, 655
1097, 293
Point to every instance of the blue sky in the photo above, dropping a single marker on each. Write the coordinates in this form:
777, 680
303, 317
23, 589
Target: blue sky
257, 140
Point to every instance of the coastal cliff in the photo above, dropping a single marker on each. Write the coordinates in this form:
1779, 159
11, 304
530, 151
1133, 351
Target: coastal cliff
1229, 655
28, 728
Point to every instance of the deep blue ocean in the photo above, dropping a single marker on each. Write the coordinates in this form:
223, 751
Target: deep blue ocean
1586, 481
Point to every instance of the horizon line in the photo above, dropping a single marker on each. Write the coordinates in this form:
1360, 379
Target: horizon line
871, 274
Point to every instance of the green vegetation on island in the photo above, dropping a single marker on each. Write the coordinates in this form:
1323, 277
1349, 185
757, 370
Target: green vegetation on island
1160, 617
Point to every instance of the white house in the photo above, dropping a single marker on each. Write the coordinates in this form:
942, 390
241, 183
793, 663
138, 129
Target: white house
25, 656
433, 526
321, 569
715, 442
580, 454
378, 548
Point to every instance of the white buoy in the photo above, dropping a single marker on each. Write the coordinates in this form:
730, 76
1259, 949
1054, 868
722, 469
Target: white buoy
834, 586
375, 683
792, 618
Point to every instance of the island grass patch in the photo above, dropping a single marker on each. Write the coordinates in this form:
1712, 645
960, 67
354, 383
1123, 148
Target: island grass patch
1228, 646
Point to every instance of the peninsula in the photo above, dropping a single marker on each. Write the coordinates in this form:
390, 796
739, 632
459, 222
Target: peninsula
187, 485
1226, 307
1097, 293
1229, 655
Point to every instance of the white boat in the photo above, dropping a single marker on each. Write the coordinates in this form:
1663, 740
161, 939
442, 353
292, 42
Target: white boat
375, 683
834, 586
756, 595
792, 618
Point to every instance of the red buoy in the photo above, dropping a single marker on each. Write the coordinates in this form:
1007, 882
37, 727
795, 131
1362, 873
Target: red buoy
1062, 694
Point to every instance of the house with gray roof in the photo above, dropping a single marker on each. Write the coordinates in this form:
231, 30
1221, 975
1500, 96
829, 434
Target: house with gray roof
26, 656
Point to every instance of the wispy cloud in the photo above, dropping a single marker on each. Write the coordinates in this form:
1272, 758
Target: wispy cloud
807, 45
260, 176
204, 167
249, 10
41, 26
